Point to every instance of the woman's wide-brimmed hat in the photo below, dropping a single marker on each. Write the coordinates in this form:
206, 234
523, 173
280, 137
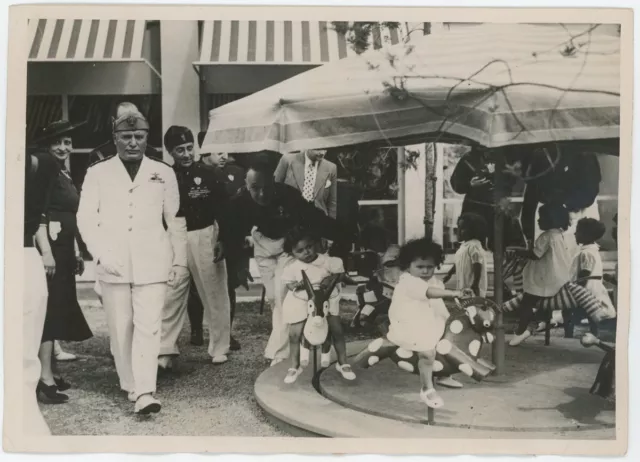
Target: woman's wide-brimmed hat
57, 129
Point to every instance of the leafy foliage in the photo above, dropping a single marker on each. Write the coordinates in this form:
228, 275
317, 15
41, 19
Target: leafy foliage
358, 33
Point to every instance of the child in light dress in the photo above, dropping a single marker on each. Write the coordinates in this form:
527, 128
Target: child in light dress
548, 268
470, 260
417, 315
587, 265
302, 245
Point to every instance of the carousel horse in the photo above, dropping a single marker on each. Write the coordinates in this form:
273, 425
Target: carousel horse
316, 327
374, 297
469, 327
605, 382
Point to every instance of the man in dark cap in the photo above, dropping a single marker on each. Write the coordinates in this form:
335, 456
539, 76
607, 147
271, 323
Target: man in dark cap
124, 201
232, 177
203, 201
108, 149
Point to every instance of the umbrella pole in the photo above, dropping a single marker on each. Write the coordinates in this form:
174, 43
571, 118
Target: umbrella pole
498, 352
401, 196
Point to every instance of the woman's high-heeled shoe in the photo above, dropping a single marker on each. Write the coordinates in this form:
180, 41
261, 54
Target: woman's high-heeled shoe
61, 383
50, 393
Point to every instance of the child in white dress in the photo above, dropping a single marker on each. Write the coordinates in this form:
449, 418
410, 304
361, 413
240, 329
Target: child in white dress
302, 245
470, 265
417, 315
587, 265
548, 268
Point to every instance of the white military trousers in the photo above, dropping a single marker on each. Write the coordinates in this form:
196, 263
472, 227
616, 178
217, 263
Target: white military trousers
134, 316
35, 311
271, 260
211, 283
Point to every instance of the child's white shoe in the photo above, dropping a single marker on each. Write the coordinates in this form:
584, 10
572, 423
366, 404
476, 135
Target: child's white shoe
325, 359
346, 371
304, 356
292, 375
431, 398
518, 339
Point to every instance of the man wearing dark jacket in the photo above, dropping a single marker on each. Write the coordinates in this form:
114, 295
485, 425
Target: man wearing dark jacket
570, 178
232, 177
267, 210
473, 176
203, 202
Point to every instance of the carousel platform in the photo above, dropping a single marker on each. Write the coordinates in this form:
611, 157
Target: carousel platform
544, 394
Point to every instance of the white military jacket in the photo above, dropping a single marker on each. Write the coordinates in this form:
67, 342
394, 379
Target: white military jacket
121, 220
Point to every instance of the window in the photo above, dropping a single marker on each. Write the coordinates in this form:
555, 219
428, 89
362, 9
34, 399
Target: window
373, 173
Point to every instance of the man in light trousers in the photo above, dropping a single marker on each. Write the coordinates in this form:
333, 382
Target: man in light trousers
124, 201
203, 201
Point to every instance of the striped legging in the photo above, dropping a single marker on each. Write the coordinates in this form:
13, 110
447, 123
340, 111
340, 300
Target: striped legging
569, 299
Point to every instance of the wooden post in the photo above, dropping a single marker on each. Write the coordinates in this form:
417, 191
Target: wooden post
203, 102
401, 196
498, 255
429, 189
314, 349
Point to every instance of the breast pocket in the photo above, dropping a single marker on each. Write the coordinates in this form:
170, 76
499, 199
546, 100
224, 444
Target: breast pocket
150, 196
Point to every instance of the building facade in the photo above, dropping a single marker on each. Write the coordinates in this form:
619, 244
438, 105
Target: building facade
177, 71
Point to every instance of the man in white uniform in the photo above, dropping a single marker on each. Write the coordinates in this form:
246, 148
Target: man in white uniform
124, 201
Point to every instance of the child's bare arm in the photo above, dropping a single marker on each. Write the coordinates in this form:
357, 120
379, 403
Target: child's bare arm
434, 292
477, 274
294, 286
448, 276
582, 277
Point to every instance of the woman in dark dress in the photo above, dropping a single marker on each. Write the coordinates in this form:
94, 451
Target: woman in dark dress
64, 320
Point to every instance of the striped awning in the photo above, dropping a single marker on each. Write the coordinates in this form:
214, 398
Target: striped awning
54, 40
286, 42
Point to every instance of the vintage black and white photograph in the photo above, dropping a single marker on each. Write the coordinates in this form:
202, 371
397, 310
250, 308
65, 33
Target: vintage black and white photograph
386, 224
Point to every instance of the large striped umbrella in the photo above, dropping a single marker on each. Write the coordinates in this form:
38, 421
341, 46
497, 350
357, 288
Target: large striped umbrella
493, 84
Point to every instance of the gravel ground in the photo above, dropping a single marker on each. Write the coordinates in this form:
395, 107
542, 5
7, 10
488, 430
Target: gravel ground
199, 399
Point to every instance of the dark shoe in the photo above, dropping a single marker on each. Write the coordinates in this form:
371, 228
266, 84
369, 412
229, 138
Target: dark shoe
196, 338
49, 394
62, 384
234, 345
